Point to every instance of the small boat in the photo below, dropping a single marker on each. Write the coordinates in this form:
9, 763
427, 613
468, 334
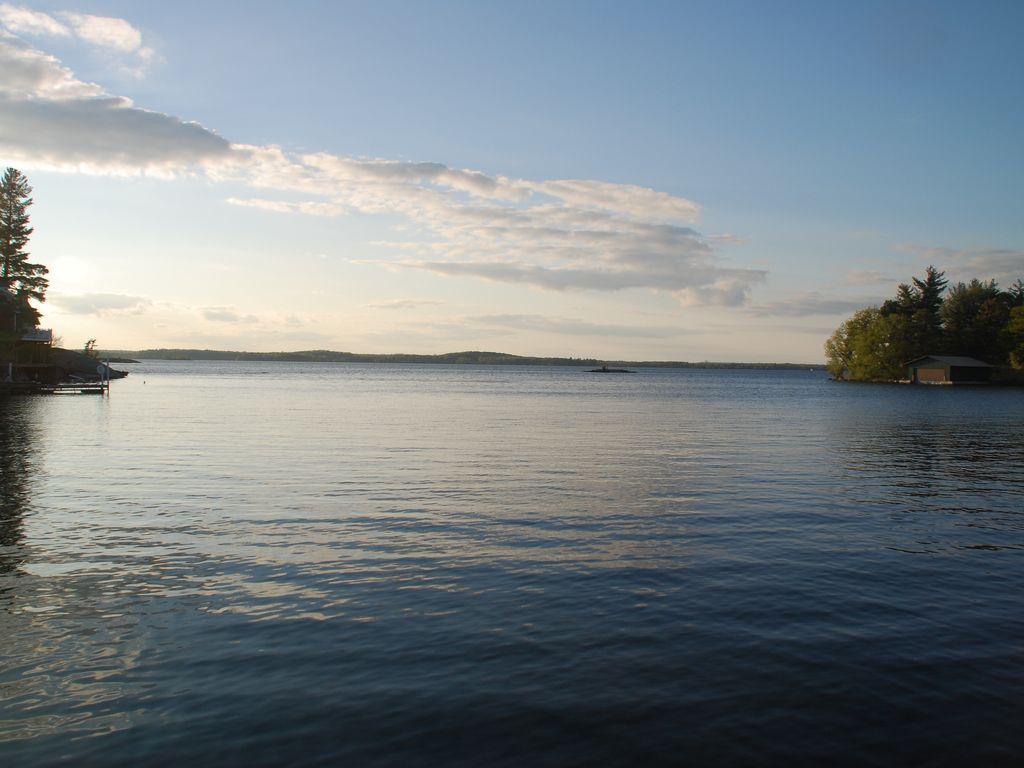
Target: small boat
606, 369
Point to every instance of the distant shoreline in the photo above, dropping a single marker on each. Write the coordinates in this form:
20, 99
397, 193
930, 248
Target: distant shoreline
450, 358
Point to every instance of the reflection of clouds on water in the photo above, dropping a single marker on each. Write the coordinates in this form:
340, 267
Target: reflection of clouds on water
217, 553
70, 636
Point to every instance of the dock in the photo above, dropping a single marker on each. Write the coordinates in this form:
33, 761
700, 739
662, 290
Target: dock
63, 388
76, 388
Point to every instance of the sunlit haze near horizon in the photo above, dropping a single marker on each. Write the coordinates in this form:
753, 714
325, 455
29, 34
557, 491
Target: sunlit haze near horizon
650, 181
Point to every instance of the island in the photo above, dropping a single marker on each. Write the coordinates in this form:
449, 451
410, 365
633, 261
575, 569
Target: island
971, 333
606, 369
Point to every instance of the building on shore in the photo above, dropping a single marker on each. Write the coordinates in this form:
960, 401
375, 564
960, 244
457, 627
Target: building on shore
948, 369
24, 352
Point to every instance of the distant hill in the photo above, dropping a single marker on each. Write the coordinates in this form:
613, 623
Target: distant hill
450, 358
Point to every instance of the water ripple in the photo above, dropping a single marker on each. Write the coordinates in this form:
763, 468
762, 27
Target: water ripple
257, 564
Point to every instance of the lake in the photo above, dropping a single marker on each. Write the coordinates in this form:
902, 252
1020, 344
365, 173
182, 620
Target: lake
403, 565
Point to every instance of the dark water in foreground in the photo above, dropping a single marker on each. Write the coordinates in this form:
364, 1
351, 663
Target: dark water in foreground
244, 564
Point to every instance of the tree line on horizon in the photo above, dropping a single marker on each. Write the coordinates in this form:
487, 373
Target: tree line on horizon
974, 319
449, 358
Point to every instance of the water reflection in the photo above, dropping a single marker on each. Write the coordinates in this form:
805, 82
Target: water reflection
17, 446
376, 564
950, 478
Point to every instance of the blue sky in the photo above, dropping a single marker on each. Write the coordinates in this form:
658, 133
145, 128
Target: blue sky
714, 180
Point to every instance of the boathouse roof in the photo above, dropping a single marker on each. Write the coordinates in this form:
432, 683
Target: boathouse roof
952, 361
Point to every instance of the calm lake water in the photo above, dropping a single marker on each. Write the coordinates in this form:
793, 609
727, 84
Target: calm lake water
268, 564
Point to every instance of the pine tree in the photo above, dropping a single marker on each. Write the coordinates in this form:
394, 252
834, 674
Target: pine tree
27, 280
920, 303
973, 314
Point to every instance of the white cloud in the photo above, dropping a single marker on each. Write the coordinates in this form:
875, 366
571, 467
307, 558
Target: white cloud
499, 234
105, 33
693, 285
25, 21
50, 119
101, 304
29, 74
622, 199
559, 235
392, 173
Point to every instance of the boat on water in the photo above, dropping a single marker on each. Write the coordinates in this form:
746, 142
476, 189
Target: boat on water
606, 369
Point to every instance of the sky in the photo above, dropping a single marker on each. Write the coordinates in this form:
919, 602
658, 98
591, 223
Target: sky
722, 181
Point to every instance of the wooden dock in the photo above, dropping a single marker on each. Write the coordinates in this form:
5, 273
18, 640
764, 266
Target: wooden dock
63, 388
76, 388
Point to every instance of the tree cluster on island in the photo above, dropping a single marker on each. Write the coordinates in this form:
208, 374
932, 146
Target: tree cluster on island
974, 319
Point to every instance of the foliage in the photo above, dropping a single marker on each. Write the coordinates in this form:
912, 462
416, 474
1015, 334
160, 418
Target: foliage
89, 350
1014, 338
1016, 293
870, 346
840, 352
973, 315
920, 303
27, 280
974, 319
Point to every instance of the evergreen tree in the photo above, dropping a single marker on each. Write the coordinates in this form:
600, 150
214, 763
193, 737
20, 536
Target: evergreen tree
973, 315
974, 319
1016, 293
919, 302
27, 280
929, 290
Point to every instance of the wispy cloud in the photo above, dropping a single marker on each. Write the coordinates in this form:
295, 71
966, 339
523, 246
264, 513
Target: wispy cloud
1002, 264
868, 277
404, 304
310, 208
227, 315
561, 235
101, 304
106, 33
270, 340
570, 326
627, 199
557, 234
810, 304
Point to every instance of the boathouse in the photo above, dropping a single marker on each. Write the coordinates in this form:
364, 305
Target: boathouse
947, 369
24, 351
